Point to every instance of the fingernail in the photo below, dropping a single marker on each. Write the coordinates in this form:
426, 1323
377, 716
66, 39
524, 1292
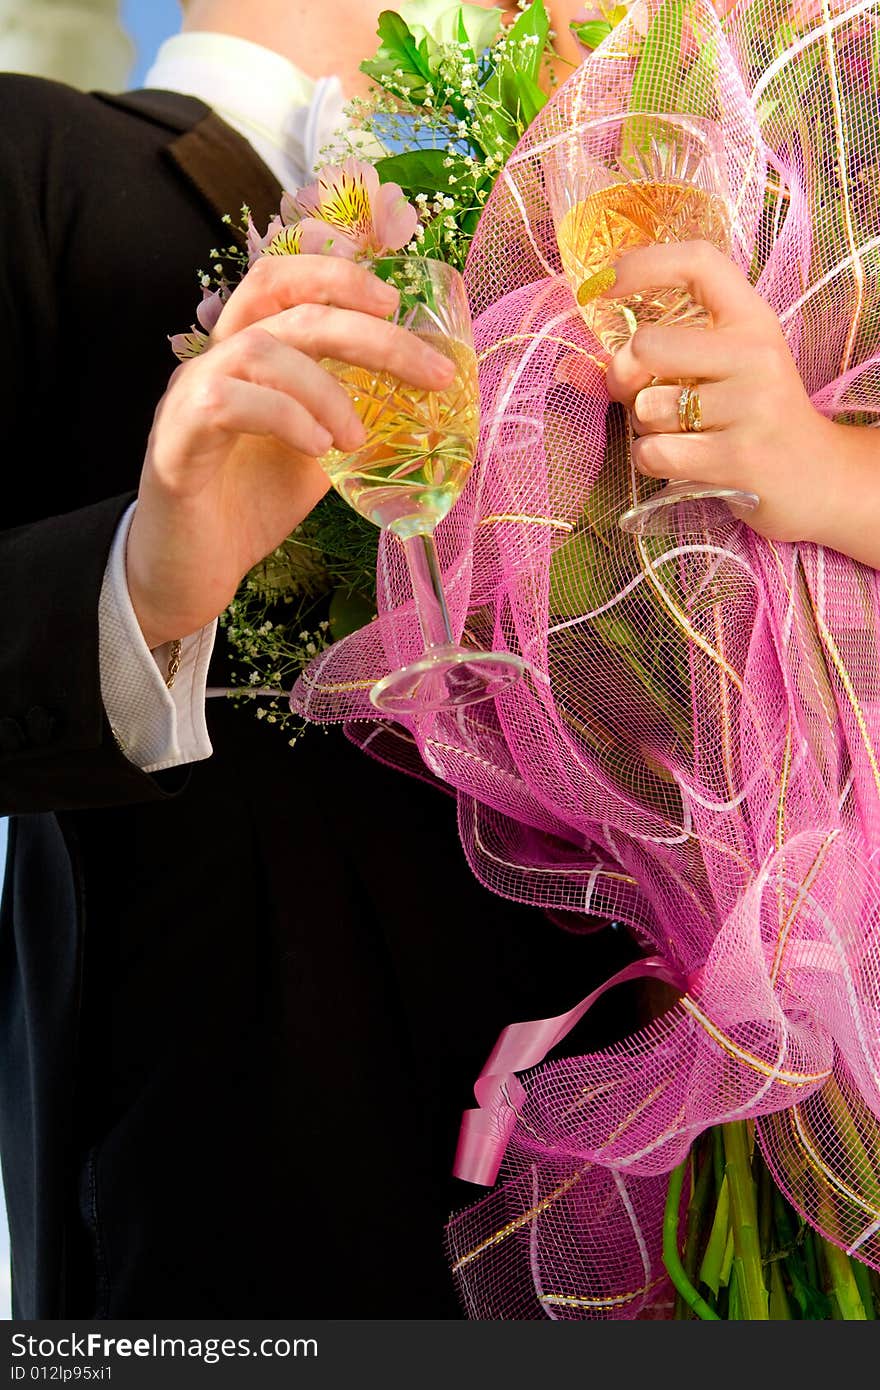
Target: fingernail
442, 367
355, 436
597, 284
386, 295
323, 441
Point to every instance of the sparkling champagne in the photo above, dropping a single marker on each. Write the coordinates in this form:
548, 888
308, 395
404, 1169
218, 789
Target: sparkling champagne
619, 218
420, 444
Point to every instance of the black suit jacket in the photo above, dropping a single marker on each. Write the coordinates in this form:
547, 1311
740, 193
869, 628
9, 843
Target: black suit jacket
241, 1008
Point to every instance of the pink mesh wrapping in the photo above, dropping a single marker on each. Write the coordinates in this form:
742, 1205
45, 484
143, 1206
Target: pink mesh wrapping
695, 749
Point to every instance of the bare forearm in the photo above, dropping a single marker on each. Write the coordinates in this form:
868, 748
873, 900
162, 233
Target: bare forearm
848, 514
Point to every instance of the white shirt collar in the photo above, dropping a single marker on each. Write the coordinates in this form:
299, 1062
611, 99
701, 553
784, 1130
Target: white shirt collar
287, 117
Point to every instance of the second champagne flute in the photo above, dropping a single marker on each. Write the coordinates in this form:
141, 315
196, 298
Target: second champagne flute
618, 182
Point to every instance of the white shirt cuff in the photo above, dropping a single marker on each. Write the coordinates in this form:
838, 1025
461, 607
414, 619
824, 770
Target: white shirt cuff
155, 727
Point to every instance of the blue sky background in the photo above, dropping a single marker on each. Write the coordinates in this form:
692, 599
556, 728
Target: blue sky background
148, 22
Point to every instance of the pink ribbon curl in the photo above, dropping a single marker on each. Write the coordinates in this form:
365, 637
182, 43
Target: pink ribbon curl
485, 1132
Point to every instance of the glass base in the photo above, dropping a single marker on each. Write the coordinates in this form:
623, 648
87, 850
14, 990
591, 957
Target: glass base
682, 508
446, 678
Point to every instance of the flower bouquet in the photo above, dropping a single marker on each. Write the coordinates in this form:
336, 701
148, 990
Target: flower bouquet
456, 86
695, 750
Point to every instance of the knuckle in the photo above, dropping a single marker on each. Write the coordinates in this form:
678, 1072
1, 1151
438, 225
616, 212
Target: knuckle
771, 356
615, 382
645, 455
263, 270
305, 319
177, 375
643, 344
252, 346
210, 397
321, 274
649, 405
702, 256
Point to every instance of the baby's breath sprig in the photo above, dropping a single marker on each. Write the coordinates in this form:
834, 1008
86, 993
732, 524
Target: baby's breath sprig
271, 654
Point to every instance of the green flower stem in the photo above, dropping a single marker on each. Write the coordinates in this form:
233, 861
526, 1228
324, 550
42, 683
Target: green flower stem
862, 1276
809, 1243
842, 1283
744, 1219
680, 1313
808, 1296
779, 1309
698, 1208
712, 1269
765, 1185
865, 1164
671, 1257
718, 1156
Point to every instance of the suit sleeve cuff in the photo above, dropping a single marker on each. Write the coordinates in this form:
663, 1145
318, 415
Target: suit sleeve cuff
155, 727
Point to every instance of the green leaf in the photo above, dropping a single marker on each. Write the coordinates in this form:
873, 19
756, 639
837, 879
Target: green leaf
736, 1309
531, 98
432, 240
591, 32
713, 1259
514, 83
421, 171
656, 80
398, 53
464, 39
697, 95
765, 109
398, 39
349, 611
532, 23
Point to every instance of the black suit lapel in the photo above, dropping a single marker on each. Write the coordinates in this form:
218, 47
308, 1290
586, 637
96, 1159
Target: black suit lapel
216, 161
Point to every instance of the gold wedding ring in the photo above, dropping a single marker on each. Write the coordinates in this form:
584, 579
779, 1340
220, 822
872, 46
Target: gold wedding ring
690, 411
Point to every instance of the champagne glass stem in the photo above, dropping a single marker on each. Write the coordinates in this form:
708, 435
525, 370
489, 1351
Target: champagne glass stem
427, 585
633, 472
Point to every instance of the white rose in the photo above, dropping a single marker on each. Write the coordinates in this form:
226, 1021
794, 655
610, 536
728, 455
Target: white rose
438, 21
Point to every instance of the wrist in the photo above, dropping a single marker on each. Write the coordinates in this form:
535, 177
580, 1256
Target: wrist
848, 509
156, 632
165, 579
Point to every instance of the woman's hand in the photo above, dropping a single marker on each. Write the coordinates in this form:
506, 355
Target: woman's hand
817, 481
230, 467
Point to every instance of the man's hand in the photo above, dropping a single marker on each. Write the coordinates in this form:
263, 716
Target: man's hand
230, 466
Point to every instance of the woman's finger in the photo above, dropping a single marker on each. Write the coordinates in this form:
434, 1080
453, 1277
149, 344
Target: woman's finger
275, 283
708, 275
326, 331
699, 458
658, 409
673, 354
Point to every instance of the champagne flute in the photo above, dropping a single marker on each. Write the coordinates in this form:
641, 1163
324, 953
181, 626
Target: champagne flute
418, 454
618, 182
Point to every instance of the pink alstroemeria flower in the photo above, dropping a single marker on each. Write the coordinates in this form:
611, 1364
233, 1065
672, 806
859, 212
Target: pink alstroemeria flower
193, 344
256, 244
355, 215
284, 236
